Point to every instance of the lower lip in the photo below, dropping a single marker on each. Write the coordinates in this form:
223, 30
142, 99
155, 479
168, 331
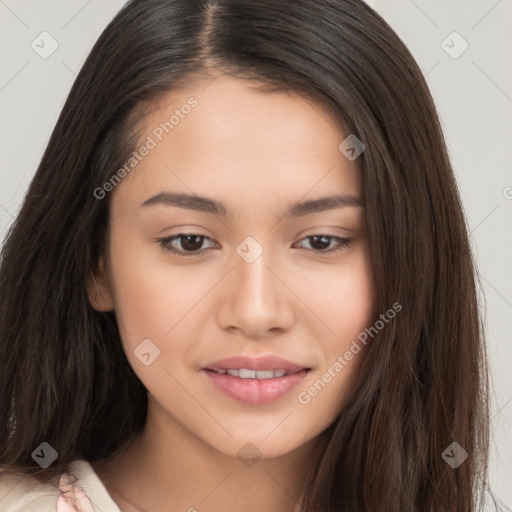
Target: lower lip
255, 391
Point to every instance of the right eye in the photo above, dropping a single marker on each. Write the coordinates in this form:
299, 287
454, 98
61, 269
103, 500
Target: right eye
191, 244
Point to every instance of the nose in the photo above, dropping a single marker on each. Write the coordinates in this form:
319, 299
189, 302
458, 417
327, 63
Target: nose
255, 301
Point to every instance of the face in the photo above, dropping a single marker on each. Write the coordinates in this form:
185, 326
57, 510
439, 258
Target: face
223, 254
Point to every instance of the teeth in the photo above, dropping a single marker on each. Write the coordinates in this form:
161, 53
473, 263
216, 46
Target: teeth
244, 373
247, 374
264, 374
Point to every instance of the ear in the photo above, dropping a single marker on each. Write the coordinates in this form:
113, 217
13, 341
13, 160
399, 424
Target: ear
98, 289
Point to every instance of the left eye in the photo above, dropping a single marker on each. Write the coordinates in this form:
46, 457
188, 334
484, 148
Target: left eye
321, 243
191, 244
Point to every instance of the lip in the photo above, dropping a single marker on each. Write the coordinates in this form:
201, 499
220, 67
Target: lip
255, 391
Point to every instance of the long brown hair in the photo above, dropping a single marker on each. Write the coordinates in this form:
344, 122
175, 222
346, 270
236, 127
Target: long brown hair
64, 376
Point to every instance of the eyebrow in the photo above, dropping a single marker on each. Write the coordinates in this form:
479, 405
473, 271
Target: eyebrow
205, 204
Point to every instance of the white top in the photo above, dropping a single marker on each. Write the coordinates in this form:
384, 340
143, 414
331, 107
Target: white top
80, 490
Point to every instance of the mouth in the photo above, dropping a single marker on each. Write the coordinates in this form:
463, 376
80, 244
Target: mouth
255, 381
245, 373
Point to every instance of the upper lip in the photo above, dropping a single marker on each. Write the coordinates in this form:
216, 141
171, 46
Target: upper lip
269, 363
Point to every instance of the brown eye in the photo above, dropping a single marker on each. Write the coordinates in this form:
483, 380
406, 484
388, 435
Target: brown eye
321, 243
189, 243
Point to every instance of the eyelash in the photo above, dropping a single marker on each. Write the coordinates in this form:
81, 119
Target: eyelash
164, 243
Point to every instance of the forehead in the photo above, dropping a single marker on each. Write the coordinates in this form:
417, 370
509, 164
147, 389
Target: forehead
227, 138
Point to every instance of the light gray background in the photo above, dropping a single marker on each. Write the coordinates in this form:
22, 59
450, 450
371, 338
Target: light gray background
473, 93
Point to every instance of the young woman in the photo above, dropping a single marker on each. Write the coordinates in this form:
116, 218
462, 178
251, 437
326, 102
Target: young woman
241, 277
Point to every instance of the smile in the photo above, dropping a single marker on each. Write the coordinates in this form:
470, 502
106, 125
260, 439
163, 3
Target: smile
244, 373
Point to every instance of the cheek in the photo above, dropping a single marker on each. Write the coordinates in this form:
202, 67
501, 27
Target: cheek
354, 302
342, 297
150, 296
151, 304
354, 313
345, 301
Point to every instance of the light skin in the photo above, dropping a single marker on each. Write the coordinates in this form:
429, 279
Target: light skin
258, 154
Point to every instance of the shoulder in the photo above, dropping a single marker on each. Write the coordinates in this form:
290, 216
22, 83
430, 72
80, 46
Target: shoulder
73, 491
22, 493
